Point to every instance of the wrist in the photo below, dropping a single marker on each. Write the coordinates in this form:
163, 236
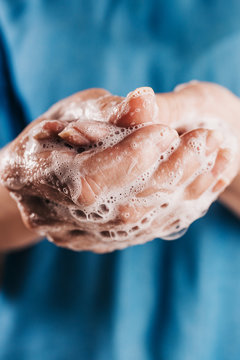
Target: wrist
13, 232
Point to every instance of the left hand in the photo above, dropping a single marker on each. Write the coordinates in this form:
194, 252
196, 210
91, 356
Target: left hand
200, 104
206, 104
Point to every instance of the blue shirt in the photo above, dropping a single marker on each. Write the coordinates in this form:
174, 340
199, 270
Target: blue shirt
174, 300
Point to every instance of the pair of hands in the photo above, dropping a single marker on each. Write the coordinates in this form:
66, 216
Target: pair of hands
100, 172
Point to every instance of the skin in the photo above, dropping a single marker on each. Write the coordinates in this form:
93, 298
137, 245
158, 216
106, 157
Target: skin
170, 111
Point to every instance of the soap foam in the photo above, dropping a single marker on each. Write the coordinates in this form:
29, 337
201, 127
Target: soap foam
170, 214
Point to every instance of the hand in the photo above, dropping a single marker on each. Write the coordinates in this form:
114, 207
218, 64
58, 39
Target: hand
196, 104
208, 105
100, 172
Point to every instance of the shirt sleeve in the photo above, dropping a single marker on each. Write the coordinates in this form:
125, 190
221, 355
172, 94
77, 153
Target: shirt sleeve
12, 117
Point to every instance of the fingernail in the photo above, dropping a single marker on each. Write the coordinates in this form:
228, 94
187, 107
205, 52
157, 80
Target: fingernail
143, 91
227, 154
214, 139
223, 159
47, 129
219, 185
184, 85
180, 87
73, 136
141, 106
167, 137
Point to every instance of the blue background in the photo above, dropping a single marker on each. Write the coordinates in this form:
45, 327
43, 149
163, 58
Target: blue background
163, 300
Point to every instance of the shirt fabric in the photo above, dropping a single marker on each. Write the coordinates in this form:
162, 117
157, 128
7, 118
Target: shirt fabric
176, 300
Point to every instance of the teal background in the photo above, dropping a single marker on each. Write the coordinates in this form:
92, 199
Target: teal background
174, 300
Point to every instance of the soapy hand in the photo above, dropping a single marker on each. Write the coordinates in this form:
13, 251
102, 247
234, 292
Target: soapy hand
100, 172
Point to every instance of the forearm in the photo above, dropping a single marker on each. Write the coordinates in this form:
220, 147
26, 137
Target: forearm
13, 233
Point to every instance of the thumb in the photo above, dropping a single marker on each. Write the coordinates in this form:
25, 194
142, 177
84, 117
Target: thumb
138, 107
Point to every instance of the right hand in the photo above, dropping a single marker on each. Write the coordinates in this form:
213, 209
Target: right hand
85, 196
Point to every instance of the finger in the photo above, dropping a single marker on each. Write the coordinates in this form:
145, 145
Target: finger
58, 109
131, 213
74, 107
84, 132
121, 164
204, 181
220, 185
227, 175
93, 93
48, 129
167, 223
138, 107
195, 146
